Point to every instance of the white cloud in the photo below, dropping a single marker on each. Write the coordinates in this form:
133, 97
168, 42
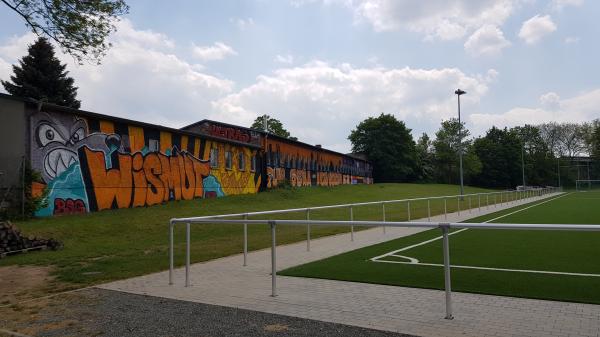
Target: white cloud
285, 59
243, 24
559, 5
140, 78
218, 51
321, 103
534, 29
487, 40
583, 107
572, 39
550, 101
435, 19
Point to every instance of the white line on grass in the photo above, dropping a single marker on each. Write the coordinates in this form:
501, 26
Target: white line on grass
414, 261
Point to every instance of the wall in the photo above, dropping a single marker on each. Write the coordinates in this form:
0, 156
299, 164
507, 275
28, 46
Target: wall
12, 127
89, 164
309, 166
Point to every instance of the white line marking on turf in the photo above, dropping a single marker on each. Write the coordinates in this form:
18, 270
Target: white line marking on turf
460, 230
414, 261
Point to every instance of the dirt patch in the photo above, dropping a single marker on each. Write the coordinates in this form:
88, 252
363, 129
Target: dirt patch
276, 328
25, 282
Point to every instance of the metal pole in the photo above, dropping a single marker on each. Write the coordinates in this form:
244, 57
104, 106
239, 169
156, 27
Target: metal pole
458, 204
273, 260
487, 201
383, 213
558, 173
23, 187
523, 162
495, 200
445, 210
308, 231
408, 209
469, 204
479, 202
187, 254
351, 226
460, 159
447, 281
428, 210
245, 241
170, 254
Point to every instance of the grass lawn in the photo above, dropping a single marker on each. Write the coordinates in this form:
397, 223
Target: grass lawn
117, 244
552, 251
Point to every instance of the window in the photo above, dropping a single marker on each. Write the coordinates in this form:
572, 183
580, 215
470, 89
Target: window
214, 157
228, 161
241, 161
153, 145
253, 164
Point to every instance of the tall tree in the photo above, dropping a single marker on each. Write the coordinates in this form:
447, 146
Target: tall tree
447, 145
425, 169
500, 154
40, 75
540, 165
80, 28
388, 144
274, 126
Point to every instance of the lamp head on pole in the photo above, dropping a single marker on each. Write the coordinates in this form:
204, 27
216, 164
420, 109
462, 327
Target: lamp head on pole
460, 92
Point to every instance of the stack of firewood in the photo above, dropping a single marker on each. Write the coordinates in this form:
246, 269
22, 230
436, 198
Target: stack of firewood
12, 241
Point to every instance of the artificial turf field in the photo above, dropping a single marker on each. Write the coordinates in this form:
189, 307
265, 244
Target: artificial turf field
557, 265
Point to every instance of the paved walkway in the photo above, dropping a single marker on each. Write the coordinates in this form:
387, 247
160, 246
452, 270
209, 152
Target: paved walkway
408, 310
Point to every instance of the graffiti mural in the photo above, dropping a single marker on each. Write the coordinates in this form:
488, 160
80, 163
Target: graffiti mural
110, 166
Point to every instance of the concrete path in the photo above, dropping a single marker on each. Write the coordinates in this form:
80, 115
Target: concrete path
407, 310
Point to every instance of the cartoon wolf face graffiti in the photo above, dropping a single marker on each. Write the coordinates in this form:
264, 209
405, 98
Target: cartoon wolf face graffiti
56, 138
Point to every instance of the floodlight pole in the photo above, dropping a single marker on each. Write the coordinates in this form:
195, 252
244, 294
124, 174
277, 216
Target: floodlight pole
459, 92
523, 162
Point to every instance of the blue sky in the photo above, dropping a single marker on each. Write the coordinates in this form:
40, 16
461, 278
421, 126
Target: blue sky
322, 66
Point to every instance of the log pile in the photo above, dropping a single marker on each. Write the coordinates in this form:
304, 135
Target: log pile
12, 241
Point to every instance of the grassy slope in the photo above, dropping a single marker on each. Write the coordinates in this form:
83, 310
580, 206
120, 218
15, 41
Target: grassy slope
539, 250
117, 244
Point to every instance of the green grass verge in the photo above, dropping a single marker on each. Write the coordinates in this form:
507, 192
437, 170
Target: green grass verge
558, 251
117, 244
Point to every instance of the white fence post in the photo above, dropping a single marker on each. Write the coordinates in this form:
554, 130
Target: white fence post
383, 213
187, 254
447, 281
171, 253
245, 241
351, 227
273, 260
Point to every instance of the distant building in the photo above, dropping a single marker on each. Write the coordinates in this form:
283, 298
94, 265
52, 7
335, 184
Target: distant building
90, 162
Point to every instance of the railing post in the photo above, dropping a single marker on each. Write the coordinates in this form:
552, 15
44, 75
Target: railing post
273, 260
187, 254
495, 200
428, 210
351, 226
408, 209
501, 198
445, 210
479, 202
383, 213
447, 280
308, 230
458, 204
245, 241
470, 204
171, 253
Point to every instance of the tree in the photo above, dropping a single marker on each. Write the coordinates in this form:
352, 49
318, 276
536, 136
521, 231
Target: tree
80, 28
40, 75
446, 147
425, 170
540, 165
388, 144
274, 126
500, 154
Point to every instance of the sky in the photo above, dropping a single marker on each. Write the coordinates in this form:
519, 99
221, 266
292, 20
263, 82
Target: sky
323, 66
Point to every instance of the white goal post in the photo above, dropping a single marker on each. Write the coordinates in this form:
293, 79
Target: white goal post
583, 185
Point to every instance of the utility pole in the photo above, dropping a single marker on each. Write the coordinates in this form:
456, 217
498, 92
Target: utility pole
459, 92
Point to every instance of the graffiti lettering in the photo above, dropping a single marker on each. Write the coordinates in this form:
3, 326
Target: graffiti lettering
68, 206
138, 180
230, 133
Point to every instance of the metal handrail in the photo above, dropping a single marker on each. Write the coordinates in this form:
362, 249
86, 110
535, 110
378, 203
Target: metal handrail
444, 226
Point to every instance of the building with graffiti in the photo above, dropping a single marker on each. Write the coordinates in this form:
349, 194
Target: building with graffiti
91, 162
